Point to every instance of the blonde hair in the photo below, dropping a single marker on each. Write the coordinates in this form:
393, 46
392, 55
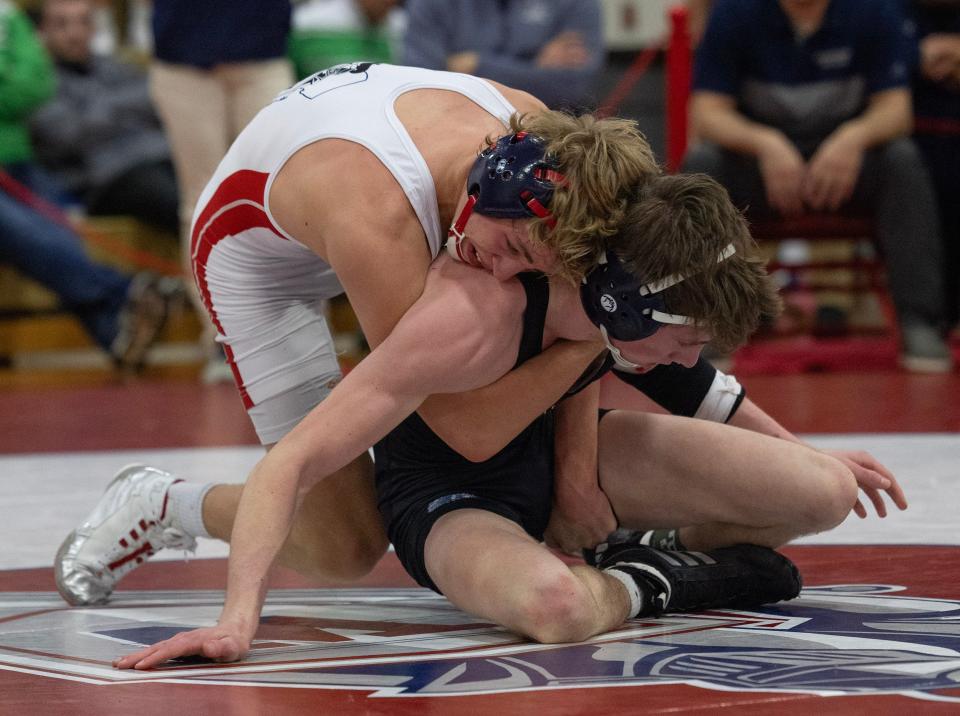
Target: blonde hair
679, 224
603, 160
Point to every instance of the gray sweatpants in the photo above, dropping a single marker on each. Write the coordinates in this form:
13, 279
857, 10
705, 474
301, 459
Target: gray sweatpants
894, 187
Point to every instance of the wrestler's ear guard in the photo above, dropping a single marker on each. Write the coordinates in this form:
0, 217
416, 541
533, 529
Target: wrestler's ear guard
626, 307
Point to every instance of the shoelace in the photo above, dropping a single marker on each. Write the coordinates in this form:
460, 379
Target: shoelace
172, 538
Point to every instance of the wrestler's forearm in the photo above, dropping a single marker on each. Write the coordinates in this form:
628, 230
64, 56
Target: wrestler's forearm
481, 422
263, 521
750, 416
575, 445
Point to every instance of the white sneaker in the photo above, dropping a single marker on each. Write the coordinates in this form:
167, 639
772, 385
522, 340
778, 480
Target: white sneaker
130, 523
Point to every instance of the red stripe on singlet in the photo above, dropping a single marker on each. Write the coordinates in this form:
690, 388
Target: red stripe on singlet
236, 206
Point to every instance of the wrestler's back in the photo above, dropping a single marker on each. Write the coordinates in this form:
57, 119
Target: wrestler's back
364, 141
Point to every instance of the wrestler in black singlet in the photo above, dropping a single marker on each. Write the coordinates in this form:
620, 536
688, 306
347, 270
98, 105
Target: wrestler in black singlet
420, 478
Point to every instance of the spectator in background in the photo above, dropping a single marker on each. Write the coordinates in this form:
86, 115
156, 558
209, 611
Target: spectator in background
332, 32
123, 315
936, 92
100, 134
216, 64
805, 105
550, 48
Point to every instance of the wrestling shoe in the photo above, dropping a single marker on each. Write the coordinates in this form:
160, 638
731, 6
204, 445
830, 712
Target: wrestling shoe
622, 537
130, 523
738, 577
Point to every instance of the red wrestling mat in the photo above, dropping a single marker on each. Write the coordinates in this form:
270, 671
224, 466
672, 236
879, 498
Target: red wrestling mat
806, 354
877, 630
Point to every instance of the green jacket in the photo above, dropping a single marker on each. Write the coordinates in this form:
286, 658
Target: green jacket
27, 80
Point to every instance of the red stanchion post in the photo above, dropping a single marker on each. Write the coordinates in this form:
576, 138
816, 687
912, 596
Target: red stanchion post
678, 75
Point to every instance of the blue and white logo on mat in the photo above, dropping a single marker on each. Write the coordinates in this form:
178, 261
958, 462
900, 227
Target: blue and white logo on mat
850, 639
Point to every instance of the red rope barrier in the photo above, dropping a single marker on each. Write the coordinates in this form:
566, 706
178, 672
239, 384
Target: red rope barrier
633, 73
141, 259
678, 77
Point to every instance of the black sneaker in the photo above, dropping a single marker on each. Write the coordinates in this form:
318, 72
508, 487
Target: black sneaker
738, 577
150, 299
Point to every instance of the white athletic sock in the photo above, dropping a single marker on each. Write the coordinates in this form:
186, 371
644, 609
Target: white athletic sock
186, 505
633, 590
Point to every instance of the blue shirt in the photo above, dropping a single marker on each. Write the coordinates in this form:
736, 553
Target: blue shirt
205, 33
804, 86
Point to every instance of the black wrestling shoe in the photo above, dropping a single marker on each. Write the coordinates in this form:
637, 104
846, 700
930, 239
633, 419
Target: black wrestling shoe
623, 537
738, 577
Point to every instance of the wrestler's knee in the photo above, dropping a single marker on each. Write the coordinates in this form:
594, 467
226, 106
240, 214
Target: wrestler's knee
556, 608
343, 554
832, 493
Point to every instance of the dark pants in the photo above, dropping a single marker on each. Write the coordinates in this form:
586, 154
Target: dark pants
147, 192
53, 255
942, 154
894, 187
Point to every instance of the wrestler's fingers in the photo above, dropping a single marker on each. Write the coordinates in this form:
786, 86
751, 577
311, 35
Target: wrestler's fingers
877, 499
127, 661
896, 495
860, 509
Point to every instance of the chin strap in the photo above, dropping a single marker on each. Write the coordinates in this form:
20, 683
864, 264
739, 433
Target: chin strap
623, 364
455, 232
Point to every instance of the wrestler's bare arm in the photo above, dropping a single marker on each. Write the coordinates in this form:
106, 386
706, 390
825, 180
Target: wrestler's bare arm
462, 333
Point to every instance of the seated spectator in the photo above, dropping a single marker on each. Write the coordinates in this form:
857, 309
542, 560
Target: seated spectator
804, 105
122, 314
552, 49
333, 32
100, 134
936, 92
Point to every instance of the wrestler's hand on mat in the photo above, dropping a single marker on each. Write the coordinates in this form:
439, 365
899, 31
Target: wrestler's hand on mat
580, 522
873, 478
220, 643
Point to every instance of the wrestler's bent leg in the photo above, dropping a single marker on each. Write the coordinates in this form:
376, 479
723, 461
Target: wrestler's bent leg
721, 484
488, 566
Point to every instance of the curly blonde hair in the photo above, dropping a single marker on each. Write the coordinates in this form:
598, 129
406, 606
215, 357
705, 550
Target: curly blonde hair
603, 160
679, 225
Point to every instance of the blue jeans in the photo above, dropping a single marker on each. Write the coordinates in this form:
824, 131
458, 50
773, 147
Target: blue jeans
53, 255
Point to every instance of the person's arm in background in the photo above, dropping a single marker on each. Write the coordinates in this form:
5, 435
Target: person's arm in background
26, 73
939, 41
563, 72
425, 40
714, 115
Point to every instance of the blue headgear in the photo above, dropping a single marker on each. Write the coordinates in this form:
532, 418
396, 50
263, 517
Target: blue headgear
511, 179
626, 308
514, 178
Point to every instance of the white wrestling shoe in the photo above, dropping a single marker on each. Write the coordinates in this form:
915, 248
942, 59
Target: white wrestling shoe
130, 523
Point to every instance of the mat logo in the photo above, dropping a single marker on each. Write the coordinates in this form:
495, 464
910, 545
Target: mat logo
848, 639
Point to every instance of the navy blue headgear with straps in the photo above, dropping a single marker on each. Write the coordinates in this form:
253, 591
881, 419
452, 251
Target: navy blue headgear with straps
514, 178
625, 307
